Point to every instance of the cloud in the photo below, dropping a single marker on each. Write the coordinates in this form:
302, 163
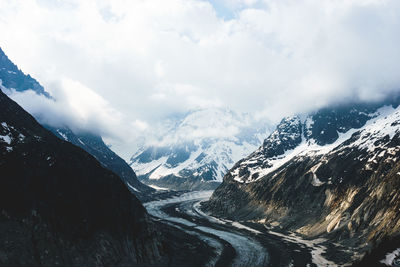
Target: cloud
79, 108
202, 125
149, 59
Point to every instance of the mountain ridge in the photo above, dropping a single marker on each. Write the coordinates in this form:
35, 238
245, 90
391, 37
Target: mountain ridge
336, 182
12, 77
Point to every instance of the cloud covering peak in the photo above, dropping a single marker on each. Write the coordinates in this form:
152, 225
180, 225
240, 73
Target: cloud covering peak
148, 59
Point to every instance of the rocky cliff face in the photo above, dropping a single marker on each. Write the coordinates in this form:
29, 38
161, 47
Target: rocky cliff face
58, 205
334, 173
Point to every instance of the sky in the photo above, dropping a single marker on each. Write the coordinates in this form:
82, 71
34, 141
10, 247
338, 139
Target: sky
121, 66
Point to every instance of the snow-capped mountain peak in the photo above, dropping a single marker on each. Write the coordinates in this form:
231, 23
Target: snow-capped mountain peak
294, 137
200, 146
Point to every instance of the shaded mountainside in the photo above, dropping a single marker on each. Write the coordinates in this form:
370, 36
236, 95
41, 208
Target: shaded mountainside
95, 146
14, 78
60, 206
332, 174
197, 149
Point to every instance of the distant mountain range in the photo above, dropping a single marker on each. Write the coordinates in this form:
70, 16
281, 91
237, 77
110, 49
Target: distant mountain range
334, 173
196, 150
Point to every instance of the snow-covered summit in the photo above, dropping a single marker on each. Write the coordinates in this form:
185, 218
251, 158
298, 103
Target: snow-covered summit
319, 133
200, 146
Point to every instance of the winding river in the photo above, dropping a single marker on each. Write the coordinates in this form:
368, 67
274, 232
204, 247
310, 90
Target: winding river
235, 244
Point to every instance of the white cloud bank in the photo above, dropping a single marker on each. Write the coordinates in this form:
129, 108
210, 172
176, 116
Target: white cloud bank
148, 59
79, 108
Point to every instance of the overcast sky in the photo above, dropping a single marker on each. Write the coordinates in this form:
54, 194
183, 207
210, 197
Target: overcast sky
133, 62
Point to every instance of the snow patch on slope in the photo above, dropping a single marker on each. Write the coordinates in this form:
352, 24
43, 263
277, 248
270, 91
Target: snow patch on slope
164, 170
144, 168
64, 136
6, 139
133, 188
386, 122
390, 258
317, 250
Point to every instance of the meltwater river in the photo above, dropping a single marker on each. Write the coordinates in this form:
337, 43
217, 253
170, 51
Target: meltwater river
235, 244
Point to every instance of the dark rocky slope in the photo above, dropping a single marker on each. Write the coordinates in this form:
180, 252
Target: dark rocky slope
12, 77
94, 145
58, 205
334, 174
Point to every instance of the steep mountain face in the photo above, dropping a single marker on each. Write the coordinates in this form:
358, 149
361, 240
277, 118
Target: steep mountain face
197, 149
333, 174
58, 205
12, 77
95, 146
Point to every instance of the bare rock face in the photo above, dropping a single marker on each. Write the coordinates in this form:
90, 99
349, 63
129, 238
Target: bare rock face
333, 174
58, 205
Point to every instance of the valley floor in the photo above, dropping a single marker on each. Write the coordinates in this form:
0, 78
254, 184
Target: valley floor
234, 244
